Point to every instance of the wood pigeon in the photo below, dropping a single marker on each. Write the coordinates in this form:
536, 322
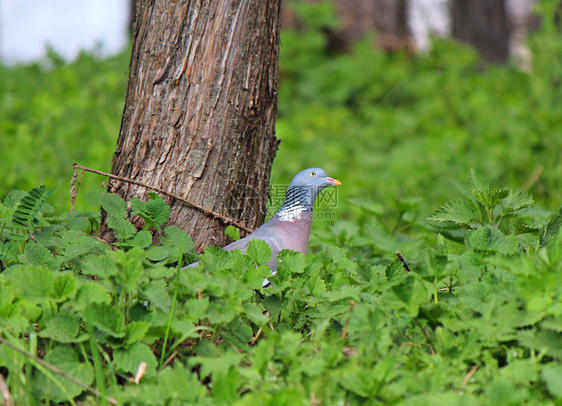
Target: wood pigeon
289, 228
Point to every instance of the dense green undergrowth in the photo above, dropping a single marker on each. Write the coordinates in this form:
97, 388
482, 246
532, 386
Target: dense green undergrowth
389, 126
476, 320
473, 317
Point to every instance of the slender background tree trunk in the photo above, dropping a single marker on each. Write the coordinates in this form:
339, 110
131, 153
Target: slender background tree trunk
388, 18
483, 24
200, 110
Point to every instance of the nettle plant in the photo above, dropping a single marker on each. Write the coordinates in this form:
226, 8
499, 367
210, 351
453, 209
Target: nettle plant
489, 219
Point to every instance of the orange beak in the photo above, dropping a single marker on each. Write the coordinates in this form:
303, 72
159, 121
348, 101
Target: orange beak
333, 181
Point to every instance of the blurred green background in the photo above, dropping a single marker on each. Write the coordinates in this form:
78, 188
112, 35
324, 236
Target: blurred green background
393, 127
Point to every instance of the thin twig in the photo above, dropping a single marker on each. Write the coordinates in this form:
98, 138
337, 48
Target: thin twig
470, 373
407, 343
224, 219
270, 324
533, 178
56, 370
344, 332
255, 338
169, 359
404, 263
304, 338
5, 391
74, 185
104, 242
32, 237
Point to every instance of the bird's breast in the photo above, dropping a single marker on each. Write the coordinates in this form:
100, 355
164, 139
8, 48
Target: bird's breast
294, 235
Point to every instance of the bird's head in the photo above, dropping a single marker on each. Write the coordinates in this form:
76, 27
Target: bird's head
314, 178
302, 191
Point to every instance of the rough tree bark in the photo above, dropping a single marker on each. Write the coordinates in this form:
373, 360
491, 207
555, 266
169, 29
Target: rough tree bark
483, 24
200, 110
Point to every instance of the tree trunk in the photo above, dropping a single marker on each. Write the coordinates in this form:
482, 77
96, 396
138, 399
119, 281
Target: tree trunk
200, 110
388, 18
484, 24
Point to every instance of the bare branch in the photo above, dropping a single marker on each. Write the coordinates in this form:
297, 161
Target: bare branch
224, 219
404, 263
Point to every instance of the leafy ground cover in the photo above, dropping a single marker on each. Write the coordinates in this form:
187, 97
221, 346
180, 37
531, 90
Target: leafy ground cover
473, 318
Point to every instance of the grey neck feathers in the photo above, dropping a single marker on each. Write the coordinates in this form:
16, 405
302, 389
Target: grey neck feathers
299, 200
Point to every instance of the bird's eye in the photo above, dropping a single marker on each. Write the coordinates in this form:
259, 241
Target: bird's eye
312, 173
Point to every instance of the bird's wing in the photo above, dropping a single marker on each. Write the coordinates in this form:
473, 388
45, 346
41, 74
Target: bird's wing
267, 234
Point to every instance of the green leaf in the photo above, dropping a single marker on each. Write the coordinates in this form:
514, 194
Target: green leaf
552, 375
197, 309
181, 383
142, 239
105, 318
65, 286
214, 259
173, 239
129, 360
212, 365
493, 240
36, 282
9, 252
352, 381
159, 271
254, 313
503, 392
547, 340
13, 198
551, 229
521, 228
218, 314
412, 293
259, 251
135, 331
225, 386
35, 254
458, 211
65, 358
516, 200
158, 295
114, 205
62, 328
553, 324
254, 276
232, 232
291, 262
130, 270
343, 293
91, 292
122, 228
155, 211
486, 195
316, 286
156, 253
72, 244
28, 207
101, 266
338, 256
